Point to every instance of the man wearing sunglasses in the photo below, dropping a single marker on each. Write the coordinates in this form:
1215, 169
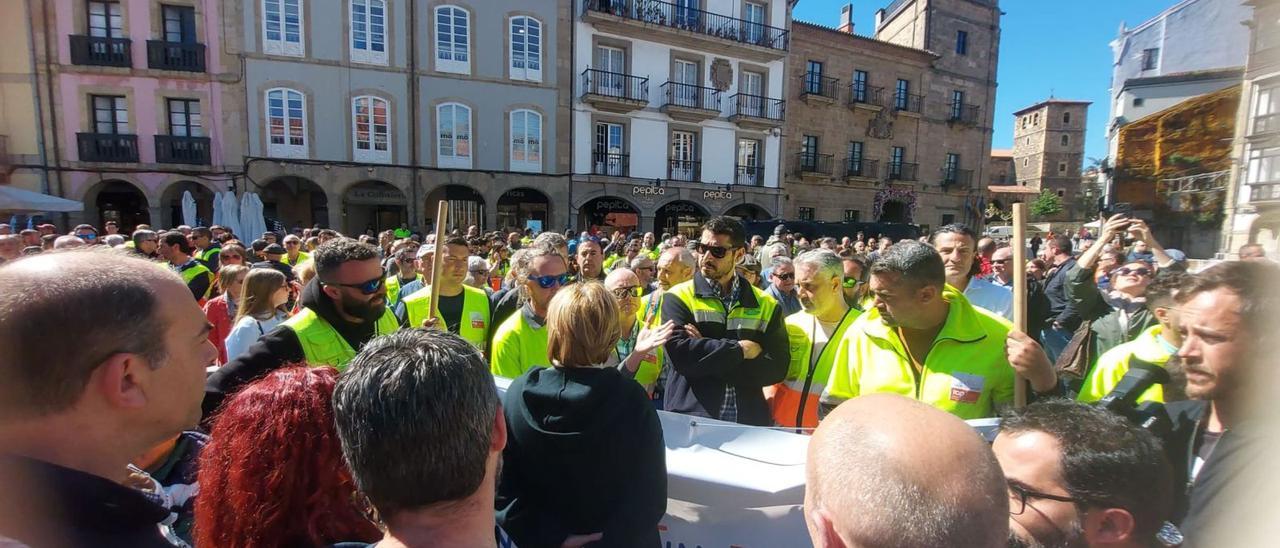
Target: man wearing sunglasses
520, 342
1081, 476
295, 255
342, 309
463, 310
730, 340
207, 249
782, 285
86, 233
146, 244
407, 280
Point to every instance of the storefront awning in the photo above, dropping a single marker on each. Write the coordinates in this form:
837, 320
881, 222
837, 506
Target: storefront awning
17, 200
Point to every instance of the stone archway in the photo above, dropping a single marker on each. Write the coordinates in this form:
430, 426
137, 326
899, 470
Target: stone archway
608, 213
120, 201
369, 207
294, 202
466, 207
518, 206
171, 203
680, 217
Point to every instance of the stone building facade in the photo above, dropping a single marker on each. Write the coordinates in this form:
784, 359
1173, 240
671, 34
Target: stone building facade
1048, 149
895, 127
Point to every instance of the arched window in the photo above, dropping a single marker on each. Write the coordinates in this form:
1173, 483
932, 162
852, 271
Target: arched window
369, 31
371, 129
286, 123
526, 49
526, 140
453, 40
453, 135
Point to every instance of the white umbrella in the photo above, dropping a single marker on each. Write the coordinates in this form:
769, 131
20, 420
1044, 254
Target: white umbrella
231, 212
217, 210
246, 218
25, 201
188, 209
258, 217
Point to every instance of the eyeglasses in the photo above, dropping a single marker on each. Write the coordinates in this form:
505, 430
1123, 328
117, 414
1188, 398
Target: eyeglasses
367, 287
1125, 271
624, 293
715, 250
89, 236
1018, 495
548, 282
851, 283
784, 277
294, 242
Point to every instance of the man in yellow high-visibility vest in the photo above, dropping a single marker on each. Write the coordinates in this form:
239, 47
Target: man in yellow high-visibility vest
520, 343
342, 309
463, 310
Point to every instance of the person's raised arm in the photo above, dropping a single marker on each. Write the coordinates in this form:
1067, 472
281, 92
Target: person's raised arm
1140, 230
1113, 226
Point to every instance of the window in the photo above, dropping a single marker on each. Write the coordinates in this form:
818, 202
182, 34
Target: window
105, 20
957, 104
951, 169
526, 49
859, 86
1066, 140
453, 39
806, 214
286, 123
1150, 58
282, 27
751, 85
686, 84
1028, 141
609, 153
184, 118
813, 78
453, 130
1266, 110
809, 153
612, 64
369, 31
852, 215
962, 42
1066, 118
1062, 168
855, 167
753, 15
370, 122
1062, 193
684, 156
948, 218
900, 97
1264, 165
110, 114
895, 159
179, 24
749, 170
526, 141
1026, 162
1138, 101
1035, 119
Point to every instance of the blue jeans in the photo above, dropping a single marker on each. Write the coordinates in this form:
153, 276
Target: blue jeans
1054, 341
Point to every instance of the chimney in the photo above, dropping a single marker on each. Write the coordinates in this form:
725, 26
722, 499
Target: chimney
846, 19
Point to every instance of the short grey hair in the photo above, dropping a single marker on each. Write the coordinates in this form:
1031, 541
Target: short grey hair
522, 265
113, 240
769, 249
779, 261
914, 261
825, 261
553, 239
683, 256
415, 412
639, 259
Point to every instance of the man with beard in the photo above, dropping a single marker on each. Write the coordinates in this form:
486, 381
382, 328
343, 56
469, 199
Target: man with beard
1081, 476
730, 339
342, 309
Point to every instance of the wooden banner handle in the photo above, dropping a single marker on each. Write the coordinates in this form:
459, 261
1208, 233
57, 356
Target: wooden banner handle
442, 214
1020, 291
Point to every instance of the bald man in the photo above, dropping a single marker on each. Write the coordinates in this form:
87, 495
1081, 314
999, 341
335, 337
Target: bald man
873, 480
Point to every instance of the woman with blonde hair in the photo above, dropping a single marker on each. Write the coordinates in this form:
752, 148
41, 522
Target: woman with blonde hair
260, 309
585, 460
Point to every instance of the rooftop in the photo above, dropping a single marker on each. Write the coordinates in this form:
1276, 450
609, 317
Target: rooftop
1052, 102
1002, 153
1229, 73
865, 39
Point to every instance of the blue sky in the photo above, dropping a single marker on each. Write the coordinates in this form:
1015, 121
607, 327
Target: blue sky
1046, 46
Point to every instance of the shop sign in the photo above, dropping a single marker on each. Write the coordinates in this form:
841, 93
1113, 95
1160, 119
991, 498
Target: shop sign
648, 191
681, 208
613, 205
717, 195
375, 196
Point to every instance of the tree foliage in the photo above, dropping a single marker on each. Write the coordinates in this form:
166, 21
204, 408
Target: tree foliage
1046, 204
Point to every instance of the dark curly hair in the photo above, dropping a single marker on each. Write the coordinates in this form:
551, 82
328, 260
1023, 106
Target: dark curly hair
332, 254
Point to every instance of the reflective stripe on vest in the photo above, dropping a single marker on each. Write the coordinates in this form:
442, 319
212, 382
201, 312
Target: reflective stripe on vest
393, 289
796, 398
197, 269
322, 344
649, 315
738, 322
472, 326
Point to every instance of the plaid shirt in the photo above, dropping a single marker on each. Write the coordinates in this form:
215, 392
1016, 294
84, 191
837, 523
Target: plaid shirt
729, 409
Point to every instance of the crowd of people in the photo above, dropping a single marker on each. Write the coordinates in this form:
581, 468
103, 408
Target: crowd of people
312, 389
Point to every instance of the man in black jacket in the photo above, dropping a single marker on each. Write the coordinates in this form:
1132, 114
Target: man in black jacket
1063, 318
730, 340
1228, 312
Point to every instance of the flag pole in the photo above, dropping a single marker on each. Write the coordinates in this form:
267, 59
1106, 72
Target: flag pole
1019, 291
442, 214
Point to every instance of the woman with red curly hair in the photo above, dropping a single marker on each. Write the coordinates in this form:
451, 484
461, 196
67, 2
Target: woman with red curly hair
273, 474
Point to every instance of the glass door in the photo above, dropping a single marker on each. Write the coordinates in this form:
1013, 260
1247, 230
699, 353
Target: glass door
609, 159
683, 150
752, 104
613, 64
749, 162
686, 83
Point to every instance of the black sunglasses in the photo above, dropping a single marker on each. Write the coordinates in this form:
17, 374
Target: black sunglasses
1125, 271
548, 282
715, 250
784, 277
368, 287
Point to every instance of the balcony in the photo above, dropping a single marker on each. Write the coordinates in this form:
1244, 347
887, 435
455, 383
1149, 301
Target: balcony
688, 27
901, 171
863, 168
962, 114
1266, 123
614, 92
175, 56
812, 164
684, 170
755, 112
867, 97
99, 51
690, 103
171, 149
1265, 193
748, 175
107, 147
907, 103
818, 89
613, 165
957, 178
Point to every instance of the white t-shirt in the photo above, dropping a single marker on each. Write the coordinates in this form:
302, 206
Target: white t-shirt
246, 332
820, 339
994, 298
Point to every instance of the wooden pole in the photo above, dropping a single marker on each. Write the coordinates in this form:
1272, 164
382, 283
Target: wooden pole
442, 214
1020, 291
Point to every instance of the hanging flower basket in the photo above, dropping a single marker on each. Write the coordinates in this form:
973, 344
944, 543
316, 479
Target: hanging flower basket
905, 195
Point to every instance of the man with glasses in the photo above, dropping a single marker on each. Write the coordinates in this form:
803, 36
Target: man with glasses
146, 244
855, 280
1082, 476
1002, 267
638, 352
520, 342
1118, 315
463, 310
295, 254
645, 269
782, 285
207, 248
730, 340
342, 309
407, 280
86, 233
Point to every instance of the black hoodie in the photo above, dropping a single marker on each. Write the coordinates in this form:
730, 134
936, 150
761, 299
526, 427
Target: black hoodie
279, 347
584, 455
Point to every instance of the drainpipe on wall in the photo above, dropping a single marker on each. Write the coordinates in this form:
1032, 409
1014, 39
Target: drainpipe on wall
35, 96
53, 112
414, 156
571, 220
